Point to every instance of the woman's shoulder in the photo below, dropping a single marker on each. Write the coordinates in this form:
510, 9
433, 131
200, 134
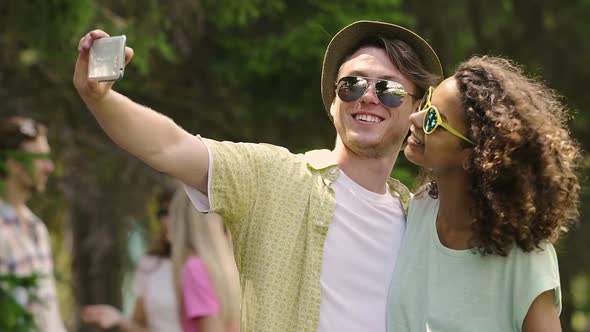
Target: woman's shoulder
150, 259
539, 263
534, 272
423, 200
193, 260
150, 263
423, 208
194, 272
194, 264
542, 253
150, 269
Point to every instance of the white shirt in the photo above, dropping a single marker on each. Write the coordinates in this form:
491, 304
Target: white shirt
359, 257
154, 283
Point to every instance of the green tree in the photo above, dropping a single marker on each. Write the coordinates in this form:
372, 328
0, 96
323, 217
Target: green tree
15, 317
245, 71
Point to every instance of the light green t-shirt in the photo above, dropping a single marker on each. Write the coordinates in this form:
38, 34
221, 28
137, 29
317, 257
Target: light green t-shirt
437, 289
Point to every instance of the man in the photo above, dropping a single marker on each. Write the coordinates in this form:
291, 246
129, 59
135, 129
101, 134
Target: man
316, 235
24, 240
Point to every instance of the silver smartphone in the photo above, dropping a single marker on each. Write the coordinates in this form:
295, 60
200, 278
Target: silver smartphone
107, 58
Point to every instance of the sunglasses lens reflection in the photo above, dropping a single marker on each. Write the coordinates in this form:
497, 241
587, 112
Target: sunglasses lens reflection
430, 121
388, 93
351, 88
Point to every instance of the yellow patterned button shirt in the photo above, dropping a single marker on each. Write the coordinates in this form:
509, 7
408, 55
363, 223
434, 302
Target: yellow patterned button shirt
278, 207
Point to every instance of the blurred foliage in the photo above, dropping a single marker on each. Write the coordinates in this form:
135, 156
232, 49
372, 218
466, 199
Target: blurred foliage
246, 71
15, 317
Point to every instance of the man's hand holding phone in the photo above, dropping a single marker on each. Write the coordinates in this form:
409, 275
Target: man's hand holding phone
106, 66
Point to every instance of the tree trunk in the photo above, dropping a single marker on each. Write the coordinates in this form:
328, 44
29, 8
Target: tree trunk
100, 208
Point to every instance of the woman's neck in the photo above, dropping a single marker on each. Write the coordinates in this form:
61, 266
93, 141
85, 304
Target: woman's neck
454, 217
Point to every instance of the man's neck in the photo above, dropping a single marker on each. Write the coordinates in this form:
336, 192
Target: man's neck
370, 173
16, 196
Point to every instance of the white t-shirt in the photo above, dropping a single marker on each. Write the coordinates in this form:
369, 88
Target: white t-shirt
155, 284
360, 254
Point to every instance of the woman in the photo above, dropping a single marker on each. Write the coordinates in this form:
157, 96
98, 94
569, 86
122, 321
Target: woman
206, 276
478, 253
156, 304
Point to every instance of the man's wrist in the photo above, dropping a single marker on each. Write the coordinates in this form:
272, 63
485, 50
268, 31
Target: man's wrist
94, 102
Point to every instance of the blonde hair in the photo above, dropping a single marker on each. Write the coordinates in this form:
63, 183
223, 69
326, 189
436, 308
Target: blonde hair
203, 235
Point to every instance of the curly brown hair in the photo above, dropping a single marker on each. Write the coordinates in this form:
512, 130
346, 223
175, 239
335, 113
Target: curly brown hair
522, 169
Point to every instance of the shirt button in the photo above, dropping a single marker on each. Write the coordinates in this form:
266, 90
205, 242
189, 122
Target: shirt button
333, 171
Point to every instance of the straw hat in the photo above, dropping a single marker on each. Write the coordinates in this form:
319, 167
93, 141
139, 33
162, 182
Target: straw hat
350, 36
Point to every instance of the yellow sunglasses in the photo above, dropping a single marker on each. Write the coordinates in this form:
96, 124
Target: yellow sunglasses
432, 118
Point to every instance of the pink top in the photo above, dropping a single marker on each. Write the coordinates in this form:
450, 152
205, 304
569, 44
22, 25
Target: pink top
197, 293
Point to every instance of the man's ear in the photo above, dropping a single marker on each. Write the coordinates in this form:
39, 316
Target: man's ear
11, 163
12, 166
333, 108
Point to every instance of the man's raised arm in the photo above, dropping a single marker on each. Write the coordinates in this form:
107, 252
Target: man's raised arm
141, 131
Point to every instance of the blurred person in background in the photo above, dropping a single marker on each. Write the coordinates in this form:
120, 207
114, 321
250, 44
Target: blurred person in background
206, 275
25, 165
155, 307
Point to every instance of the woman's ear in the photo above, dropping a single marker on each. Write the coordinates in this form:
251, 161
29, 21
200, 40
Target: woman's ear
465, 153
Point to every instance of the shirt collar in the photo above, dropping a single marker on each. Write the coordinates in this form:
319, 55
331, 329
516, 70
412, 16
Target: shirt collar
8, 215
324, 159
320, 159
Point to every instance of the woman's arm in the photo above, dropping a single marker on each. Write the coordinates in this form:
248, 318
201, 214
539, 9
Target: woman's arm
106, 317
542, 315
209, 324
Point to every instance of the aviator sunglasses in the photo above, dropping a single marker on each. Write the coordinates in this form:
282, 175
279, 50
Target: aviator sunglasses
432, 118
389, 93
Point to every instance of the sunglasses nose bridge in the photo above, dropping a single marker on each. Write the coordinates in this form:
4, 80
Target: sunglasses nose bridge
370, 93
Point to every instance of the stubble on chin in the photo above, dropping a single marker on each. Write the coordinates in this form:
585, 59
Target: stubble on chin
374, 150
364, 151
